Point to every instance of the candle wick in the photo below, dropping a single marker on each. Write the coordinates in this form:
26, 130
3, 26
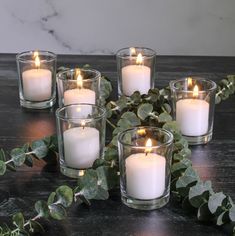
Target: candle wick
146, 153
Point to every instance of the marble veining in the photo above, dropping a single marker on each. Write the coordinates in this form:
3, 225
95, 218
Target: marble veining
102, 27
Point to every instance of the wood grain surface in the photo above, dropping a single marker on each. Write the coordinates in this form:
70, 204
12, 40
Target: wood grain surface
20, 190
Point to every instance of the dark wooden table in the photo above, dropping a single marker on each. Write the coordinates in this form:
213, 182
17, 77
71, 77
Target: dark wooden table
215, 161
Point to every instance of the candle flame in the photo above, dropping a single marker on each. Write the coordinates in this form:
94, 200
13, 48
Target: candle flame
195, 91
79, 79
35, 54
148, 146
190, 82
132, 51
37, 61
141, 132
139, 59
83, 123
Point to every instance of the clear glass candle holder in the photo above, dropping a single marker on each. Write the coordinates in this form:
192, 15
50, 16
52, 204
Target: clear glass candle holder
78, 86
81, 137
145, 161
37, 79
136, 70
193, 100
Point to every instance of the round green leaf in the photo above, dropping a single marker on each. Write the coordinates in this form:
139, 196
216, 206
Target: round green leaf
2, 167
39, 148
57, 212
42, 209
144, 110
18, 220
215, 202
64, 195
164, 117
18, 156
51, 198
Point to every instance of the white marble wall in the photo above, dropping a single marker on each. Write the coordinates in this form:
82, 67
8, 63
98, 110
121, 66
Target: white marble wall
181, 27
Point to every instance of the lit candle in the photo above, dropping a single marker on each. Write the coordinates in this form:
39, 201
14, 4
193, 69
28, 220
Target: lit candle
136, 77
81, 146
79, 95
37, 83
192, 115
145, 174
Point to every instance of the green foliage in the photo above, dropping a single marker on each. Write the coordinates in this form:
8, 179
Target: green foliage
39, 149
225, 88
151, 109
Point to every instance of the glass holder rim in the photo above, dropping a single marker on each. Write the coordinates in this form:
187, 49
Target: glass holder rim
100, 116
96, 77
30, 52
152, 52
169, 141
197, 78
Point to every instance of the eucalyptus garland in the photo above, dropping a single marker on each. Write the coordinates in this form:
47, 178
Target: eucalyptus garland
151, 109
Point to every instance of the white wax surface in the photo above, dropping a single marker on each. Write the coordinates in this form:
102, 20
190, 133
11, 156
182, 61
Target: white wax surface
82, 95
145, 175
135, 78
192, 115
37, 84
81, 147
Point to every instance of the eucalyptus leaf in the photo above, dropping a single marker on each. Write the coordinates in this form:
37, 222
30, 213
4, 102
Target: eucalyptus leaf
130, 118
42, 209
51, 198
200, 193
186, 181
36, 227
57, 212
28, 161
222, 218
2, 167
39, 148
105, 87
232, 213
111, 153
215, 203
107, 177
144, 110
101, 194
64, 195
2, 155
88, 184
136, 97
18, 156
99, 162
18, 220
164, 117
204, 213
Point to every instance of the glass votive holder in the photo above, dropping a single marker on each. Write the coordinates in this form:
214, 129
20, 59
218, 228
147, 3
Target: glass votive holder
37, 79
136, 70
81, 137
193, 100
145, 162
78, 86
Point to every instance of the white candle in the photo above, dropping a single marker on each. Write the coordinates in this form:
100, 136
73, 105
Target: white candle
37, 84
79, 95
136, 78
73, 96
81, 147
145, 175
192, 116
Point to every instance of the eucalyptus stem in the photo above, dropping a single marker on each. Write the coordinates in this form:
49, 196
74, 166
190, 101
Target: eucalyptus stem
133, 111
111, 124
